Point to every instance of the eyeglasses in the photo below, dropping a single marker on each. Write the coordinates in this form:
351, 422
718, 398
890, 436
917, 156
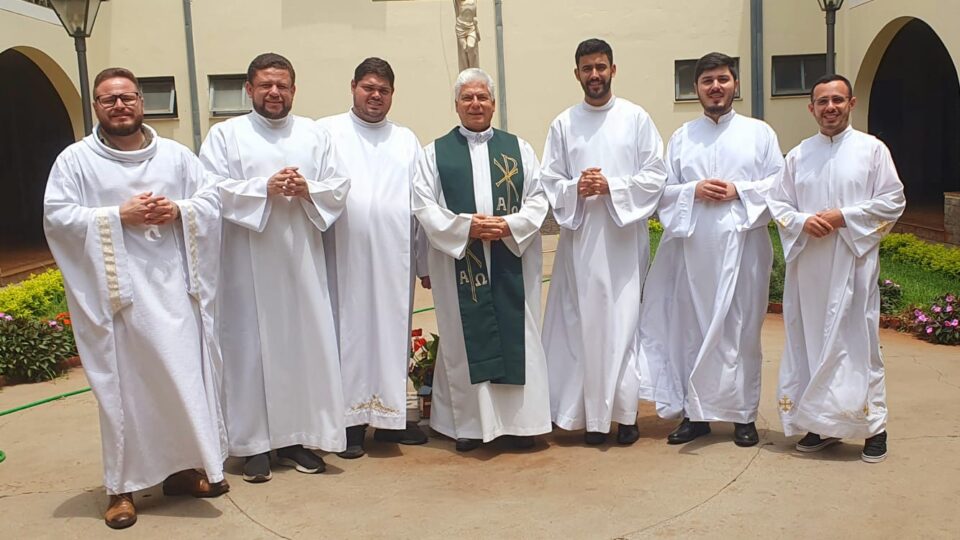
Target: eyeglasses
109, 101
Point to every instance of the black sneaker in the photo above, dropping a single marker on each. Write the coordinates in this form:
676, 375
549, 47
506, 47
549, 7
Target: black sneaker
628, 434
745, 434
466, 445
523, 442
411, 435
355, 435
256, 469
594, 437
301, 459
875, 448
811, 442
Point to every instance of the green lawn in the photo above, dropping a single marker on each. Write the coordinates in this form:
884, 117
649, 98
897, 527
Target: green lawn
919, 286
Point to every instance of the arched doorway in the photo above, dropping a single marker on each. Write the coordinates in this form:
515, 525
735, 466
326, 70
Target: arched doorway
915, 110
34, 128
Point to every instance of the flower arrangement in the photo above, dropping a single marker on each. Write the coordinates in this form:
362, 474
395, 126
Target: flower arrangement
940, 323
423, 358
33, 350
891, 297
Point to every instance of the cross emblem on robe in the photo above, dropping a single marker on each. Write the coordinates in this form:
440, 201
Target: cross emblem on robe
785, 404
509, 168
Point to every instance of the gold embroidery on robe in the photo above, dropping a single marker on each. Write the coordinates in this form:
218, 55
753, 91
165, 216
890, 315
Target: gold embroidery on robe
375, 404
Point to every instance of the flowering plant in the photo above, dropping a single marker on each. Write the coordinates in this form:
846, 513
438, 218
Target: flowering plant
423, 358
940, 323
32, 350
891, 297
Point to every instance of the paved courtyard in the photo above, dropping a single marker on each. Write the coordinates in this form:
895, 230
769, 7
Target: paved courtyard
50, 481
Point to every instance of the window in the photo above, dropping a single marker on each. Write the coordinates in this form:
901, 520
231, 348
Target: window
794, 75
159, 97
228, 96
684, 83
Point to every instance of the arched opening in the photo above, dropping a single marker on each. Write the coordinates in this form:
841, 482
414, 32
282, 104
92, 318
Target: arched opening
35, 127
915, 110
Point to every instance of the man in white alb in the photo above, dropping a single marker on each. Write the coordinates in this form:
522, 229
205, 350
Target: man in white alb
133, 222
478, 198
370, 258
706, 295
281, 376
603, 175
838, 195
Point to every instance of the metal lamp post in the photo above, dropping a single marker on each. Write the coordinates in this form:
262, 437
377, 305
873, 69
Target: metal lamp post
77, 17
830, 7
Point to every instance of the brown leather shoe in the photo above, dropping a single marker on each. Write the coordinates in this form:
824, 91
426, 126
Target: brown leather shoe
121, 513
193, 482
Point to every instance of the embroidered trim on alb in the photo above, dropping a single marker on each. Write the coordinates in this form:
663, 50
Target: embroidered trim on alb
109, 260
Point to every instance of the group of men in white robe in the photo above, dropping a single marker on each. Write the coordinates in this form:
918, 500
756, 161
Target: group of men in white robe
257, 299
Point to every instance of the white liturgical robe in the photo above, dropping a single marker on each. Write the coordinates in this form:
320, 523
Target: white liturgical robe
372, 251
591, 327
485, 410
281, 367
141, 303
706, 296
831, 373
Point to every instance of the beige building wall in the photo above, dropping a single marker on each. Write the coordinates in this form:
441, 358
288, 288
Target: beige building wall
36, 32
325, 39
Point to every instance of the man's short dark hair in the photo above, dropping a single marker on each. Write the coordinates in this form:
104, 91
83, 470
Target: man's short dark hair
593, 46
113, 73
376, 66
270, 60
829, 79
715, 60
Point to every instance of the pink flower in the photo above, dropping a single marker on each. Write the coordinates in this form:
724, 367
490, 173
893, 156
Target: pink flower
949, 298
929, 329
887, 282
937, 309
955, 322
917, 313
7, 318
922, 318
53, 324
949, 308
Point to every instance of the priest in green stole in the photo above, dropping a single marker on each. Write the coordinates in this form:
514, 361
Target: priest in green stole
477, 195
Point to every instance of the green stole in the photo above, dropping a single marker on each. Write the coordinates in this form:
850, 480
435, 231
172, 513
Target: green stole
491, 309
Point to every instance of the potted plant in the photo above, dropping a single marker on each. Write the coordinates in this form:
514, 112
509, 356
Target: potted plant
423, 358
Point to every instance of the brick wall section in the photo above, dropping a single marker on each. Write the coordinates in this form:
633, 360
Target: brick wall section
951, 216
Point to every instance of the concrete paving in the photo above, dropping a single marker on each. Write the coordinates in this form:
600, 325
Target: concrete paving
50, 481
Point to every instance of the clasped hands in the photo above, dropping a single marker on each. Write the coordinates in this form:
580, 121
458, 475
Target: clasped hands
488, 228
824, 222
716, 190
289, 183
147, 209
592, 182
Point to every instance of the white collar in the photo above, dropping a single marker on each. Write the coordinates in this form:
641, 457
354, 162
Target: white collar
605, 107
724, 118
271, 123
838, 137
364, 123
477, 137
132, 156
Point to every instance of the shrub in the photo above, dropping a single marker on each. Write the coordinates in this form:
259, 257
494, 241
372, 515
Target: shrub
31, 350
39, 296
929, 256
891, 297
940, 323
423, 359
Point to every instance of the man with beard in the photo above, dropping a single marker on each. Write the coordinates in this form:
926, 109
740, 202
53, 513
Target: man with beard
281, 379
477, 196
133, 222
838, 195
370, 258
706, 295
603, 175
